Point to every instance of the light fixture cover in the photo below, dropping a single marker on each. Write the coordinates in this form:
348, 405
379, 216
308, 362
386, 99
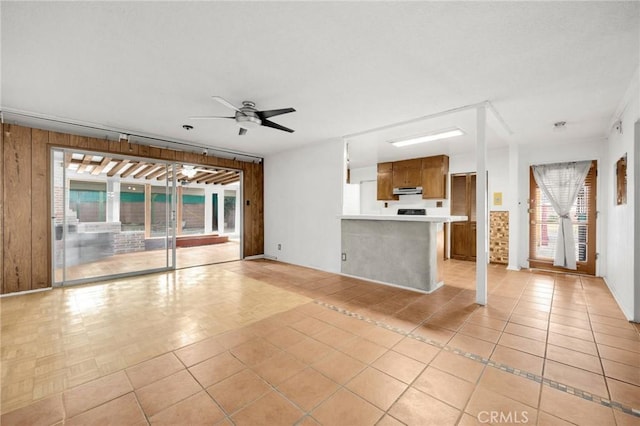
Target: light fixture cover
189, 171
442, 134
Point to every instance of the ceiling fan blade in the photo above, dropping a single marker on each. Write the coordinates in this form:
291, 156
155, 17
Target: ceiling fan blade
212, 117
226, 103
273, 125
242, 131
273, 112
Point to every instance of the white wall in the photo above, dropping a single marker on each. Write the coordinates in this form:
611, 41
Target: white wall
621, 220
303, 199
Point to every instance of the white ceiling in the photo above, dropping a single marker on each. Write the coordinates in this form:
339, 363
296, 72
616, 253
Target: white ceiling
345, 66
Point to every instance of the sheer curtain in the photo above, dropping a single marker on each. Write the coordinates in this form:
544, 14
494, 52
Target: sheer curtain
561, 183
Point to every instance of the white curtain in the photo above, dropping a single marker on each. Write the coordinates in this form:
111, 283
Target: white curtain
561, 183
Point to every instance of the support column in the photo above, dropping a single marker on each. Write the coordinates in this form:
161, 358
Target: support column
636, 218
113, 201
208, 210
147, 210
514, 208
221, 229
482, 216
179, 211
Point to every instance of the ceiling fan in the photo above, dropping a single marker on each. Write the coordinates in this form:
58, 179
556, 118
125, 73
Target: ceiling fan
248, 117
190, 171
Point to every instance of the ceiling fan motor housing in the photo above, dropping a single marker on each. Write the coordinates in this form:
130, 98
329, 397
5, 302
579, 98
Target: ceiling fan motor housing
247, 118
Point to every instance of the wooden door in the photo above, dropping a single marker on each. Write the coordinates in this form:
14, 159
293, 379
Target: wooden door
463, 203
543, 224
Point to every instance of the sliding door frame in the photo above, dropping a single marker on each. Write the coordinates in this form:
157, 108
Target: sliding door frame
171, 211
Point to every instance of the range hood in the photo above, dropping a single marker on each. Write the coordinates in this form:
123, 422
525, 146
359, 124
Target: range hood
404, 190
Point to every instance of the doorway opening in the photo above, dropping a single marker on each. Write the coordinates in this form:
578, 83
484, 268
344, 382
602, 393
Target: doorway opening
544, 224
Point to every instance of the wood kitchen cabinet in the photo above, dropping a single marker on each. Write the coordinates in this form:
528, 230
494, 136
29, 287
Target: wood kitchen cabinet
385, 182
407, 173
434, 177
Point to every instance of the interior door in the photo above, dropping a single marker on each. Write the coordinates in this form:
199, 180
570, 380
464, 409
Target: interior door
463, 203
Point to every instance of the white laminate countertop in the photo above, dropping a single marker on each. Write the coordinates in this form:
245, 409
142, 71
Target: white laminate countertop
405, 218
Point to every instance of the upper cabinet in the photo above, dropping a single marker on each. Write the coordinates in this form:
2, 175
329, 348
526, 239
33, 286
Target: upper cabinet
385, 182
434, 177
407, 173
430, 173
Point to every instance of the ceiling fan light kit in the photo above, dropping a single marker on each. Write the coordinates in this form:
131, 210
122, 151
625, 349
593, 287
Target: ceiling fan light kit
248, 117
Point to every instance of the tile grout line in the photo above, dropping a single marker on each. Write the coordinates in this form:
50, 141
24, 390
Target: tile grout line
503, 367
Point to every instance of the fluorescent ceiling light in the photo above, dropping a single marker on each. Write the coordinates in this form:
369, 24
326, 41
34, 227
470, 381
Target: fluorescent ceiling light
429, 138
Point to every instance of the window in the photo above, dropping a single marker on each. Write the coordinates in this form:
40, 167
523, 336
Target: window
544, 225
88, 200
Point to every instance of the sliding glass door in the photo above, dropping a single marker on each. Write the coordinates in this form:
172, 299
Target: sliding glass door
106, 220
117, 215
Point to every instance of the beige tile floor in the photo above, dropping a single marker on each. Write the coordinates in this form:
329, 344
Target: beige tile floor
265, 343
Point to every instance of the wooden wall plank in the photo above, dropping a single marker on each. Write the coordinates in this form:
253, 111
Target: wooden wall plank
78, 141
153, 152
2, 130
248, 186
40, 222
59, 139
167, 154
253, 185
101, 145
17, 209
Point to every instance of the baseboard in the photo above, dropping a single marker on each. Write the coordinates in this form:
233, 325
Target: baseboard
255, 257
20, 293
615, 297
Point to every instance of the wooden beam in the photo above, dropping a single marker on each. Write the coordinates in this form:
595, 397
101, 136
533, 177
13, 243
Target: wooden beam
160, 171
117, 168
145, 171
132, 169
86, 160
68, 159
199, 176
230, 180
223, 177
98, 169
207, 177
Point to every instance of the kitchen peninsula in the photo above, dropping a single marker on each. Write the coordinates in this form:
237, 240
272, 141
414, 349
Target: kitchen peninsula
404, 251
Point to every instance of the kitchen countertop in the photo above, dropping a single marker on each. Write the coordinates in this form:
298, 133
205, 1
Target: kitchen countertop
405, 218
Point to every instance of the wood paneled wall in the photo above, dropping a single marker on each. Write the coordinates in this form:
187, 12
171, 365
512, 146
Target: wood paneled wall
25, 231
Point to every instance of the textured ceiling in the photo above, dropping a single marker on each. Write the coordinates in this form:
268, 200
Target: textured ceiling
345, 66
